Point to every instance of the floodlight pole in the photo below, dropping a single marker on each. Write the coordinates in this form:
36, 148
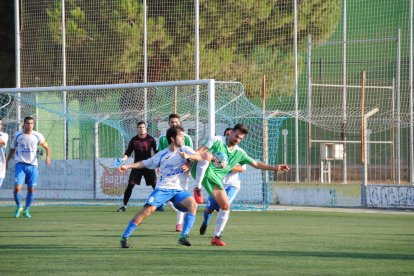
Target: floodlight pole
309, 160
295, 45
364, 138
64, 83
398, 90
344, 91
144, 4
411, 95
17, 59
197, 70
265, 130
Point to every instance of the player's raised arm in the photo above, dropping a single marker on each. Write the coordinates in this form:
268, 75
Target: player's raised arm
277, 168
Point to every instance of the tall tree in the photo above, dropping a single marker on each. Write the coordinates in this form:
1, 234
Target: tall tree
239, 39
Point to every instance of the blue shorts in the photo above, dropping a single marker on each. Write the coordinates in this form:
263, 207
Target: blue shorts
231, 192
160, 196
25, 174
1, 181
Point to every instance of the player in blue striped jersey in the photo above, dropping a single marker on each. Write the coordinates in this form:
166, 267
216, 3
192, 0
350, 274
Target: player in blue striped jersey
170, 162
4, 138
174, 121
25, 144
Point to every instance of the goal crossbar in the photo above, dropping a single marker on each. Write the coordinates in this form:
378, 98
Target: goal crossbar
107, 86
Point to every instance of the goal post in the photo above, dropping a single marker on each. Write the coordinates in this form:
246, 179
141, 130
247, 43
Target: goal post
97, 122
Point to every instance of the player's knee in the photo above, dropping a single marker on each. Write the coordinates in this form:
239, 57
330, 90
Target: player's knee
192, 206
225, 206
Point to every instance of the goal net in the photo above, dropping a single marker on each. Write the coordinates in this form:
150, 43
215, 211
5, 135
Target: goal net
87, 127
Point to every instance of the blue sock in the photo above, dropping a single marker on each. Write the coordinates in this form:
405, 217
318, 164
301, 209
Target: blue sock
188, 224
29, 200
129, 230
207, 217
18, 199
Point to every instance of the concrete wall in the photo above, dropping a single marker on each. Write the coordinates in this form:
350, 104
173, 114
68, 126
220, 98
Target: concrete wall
342, 195
333, 195
85, 179
71, 179
384, 196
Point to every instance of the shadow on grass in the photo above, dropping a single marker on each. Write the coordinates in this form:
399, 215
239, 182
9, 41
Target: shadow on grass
217, 252
213, 252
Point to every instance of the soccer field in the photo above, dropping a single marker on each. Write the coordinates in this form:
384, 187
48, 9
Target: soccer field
84, 240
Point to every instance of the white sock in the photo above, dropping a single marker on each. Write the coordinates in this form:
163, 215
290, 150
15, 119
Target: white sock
200, 172
221, 221
180, 217
169, 203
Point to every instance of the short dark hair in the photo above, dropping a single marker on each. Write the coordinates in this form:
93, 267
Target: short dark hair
141, 123
227, 129
242, 128
28, 118
173, 115
172, 132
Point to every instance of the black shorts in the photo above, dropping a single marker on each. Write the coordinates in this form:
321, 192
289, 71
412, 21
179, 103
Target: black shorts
136, 175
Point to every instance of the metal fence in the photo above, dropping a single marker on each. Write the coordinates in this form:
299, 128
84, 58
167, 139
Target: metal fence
300, 61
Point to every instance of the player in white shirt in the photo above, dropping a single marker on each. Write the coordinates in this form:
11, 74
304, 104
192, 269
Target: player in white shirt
25, 144
4, 138
170, 162
231, 183
173, 121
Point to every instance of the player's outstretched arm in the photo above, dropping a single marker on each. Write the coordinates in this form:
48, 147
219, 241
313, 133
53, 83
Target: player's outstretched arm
137, 165
238, 169
195, 156
263, 166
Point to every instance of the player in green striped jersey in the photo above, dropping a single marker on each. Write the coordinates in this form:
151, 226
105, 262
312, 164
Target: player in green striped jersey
220, 155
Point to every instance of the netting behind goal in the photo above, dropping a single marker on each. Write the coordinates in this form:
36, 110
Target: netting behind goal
88, 127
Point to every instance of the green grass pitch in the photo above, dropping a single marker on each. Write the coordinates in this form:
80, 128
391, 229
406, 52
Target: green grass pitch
84, 240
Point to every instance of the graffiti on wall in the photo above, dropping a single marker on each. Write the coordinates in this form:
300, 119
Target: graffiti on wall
390, 196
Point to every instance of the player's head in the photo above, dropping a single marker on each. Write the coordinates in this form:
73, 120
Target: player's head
174, 120
227, 131
237, 134
28, 124
175, 135
142, 128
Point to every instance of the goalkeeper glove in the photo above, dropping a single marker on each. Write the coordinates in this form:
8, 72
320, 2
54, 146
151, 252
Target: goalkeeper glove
117, 163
